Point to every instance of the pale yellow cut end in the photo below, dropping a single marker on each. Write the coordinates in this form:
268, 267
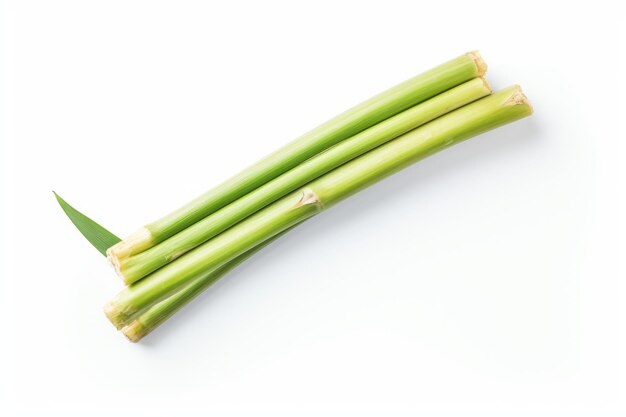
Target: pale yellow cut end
133, 244
518, 97
135, 331
486, 84
115, 316
481, 65
117, 266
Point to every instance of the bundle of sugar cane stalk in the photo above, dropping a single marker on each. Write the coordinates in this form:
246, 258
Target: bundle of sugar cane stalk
169, 262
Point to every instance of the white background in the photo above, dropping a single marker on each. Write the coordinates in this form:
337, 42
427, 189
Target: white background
482, 281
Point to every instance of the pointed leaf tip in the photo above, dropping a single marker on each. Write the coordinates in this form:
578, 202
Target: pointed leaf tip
97, 235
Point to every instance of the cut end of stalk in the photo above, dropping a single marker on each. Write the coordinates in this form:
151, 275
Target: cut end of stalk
117, 266
486, 85
135, 331
115, 315
133, 244
481, 65
518, 98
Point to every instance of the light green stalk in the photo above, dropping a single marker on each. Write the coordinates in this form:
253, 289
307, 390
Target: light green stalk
163, 310
480, 116
246, 235
138, 266
353, 121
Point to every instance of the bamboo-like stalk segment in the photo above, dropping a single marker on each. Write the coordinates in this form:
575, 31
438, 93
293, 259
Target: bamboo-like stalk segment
485, 114
349, 123
138, 266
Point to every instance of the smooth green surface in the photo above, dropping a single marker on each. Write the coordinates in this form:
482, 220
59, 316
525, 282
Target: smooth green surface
485, 114
140, 265
349, 123
98, 236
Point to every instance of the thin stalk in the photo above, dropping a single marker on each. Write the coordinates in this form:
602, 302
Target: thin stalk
353, 121
138, 266
485, 114
163, 310
239, 239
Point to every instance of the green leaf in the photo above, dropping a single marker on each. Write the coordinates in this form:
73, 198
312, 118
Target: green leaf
97, 235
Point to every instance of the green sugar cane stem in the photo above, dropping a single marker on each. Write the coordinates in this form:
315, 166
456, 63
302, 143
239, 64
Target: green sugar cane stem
227, 246
503, 107
353, 121
136, 267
